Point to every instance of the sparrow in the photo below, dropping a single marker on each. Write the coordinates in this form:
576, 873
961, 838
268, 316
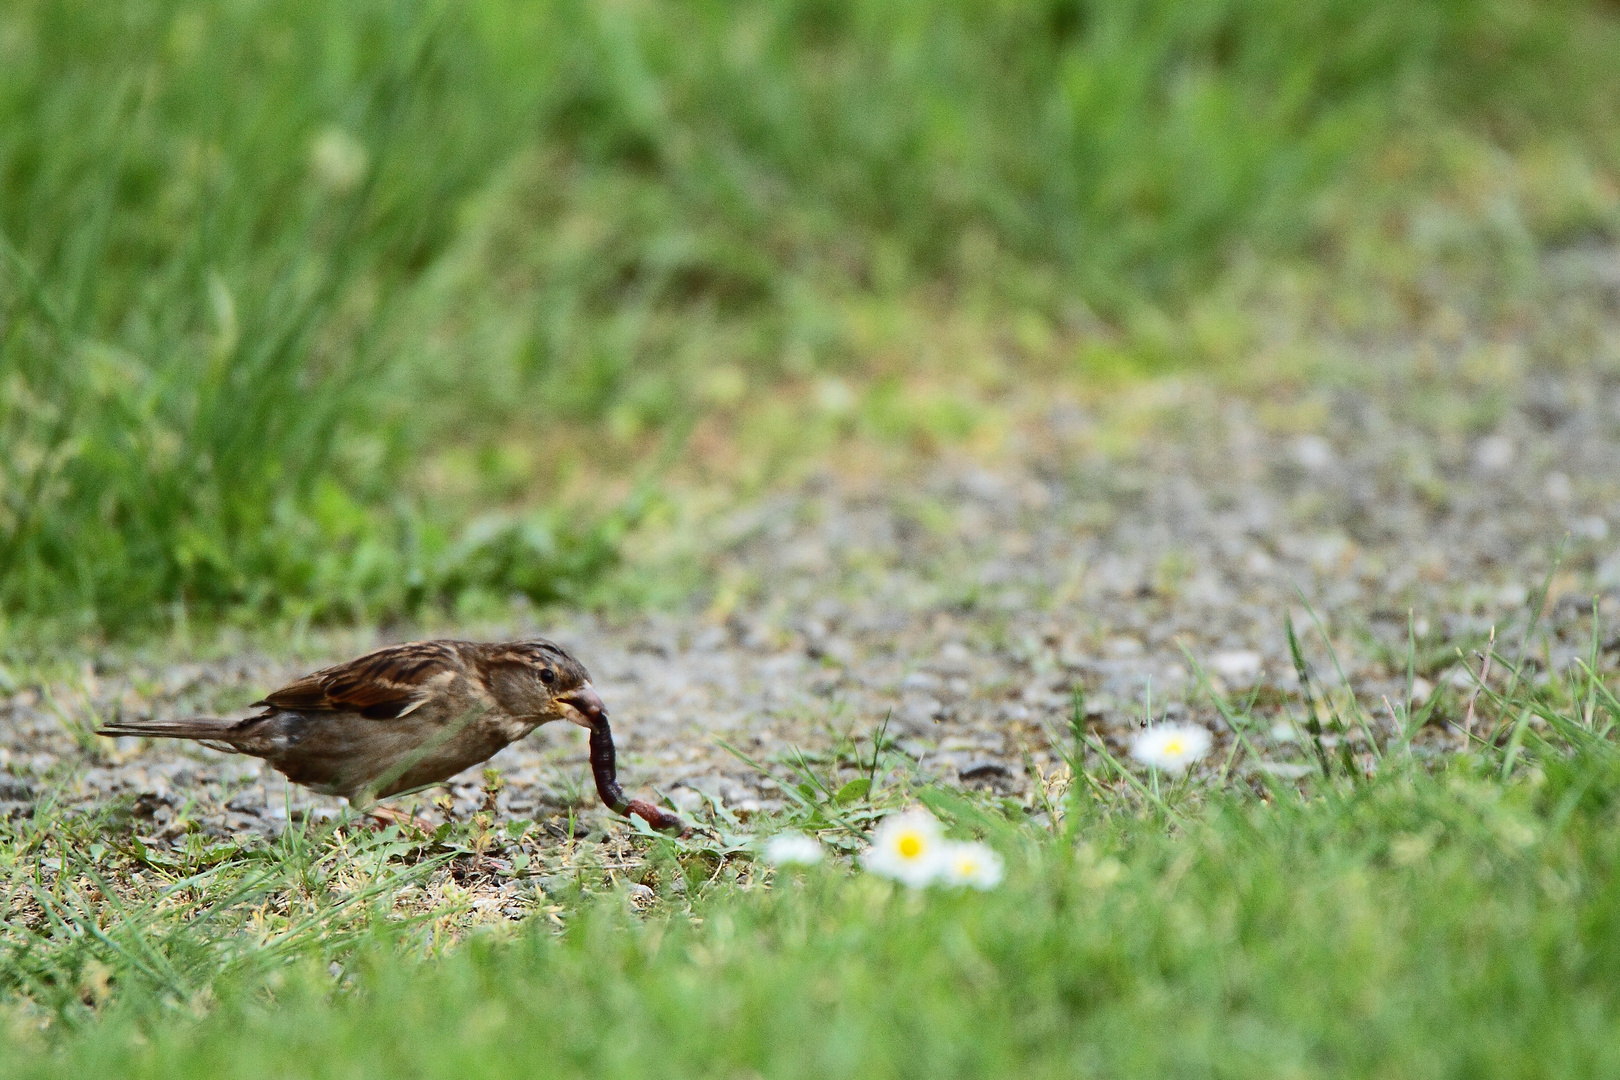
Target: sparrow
406, 717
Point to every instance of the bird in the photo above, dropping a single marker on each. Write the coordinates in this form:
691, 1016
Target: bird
409, 716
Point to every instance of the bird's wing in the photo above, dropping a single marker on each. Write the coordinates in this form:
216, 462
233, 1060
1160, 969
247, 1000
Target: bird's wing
382, 685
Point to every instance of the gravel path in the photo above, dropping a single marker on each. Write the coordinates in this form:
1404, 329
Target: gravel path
1437, 474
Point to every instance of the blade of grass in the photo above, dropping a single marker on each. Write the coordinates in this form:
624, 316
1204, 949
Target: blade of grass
1312, 724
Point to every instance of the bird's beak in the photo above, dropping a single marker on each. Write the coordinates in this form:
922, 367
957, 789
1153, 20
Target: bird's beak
583, 706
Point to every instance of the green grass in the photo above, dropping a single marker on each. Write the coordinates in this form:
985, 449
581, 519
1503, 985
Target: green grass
1411, 926
341, 310
1393, 914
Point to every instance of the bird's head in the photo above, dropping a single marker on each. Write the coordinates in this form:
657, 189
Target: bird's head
540, 679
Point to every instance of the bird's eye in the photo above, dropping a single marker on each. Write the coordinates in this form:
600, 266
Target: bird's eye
548, 676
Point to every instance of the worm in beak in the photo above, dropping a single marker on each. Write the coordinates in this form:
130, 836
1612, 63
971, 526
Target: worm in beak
584, 707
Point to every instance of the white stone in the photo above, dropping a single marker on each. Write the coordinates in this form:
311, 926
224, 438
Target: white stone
1590, 528
1237, 667
1512, 595
1493, 453
1558, 488
1288, 770
1313, 452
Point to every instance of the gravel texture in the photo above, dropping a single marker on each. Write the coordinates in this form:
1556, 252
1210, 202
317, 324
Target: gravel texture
960, 605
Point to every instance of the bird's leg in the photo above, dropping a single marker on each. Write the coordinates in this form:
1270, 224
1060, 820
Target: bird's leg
384, 816
607, 784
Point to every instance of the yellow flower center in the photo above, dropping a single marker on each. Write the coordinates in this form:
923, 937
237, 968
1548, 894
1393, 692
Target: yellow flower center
1174, 746
911, 846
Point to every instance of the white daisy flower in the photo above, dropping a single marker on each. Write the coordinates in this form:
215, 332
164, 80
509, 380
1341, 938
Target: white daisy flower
1171, 747
792, 849
907, 847
974, 865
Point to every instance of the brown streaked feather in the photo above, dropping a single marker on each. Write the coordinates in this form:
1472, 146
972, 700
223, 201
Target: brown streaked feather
382, 685
538, 652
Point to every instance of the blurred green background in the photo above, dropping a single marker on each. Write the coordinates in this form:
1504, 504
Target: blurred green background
361, 309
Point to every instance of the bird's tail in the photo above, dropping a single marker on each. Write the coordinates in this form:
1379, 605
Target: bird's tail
204, 729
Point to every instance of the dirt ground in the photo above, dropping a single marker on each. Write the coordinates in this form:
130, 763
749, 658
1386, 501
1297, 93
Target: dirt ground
961, 605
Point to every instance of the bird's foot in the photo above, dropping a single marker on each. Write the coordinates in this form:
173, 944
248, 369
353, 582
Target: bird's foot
383, 816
